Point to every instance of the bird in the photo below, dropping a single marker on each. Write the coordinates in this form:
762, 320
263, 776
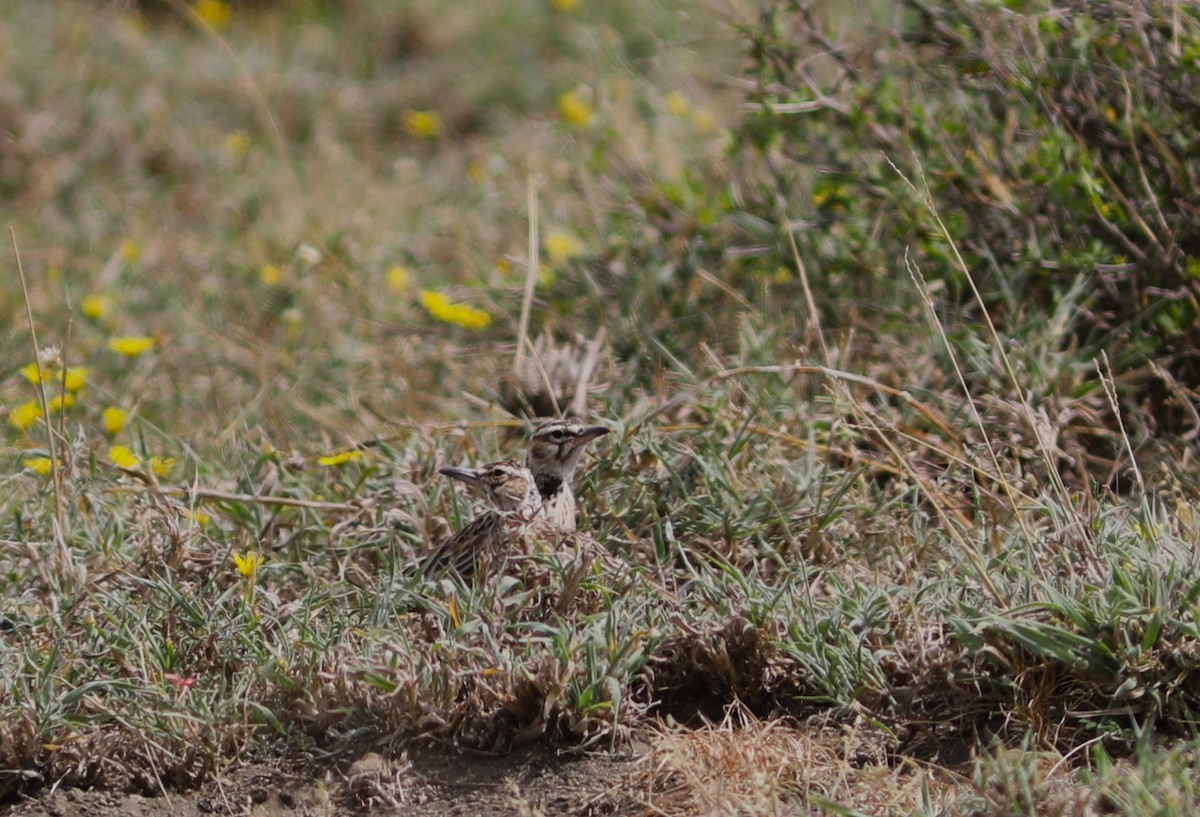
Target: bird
516, 510
553, 455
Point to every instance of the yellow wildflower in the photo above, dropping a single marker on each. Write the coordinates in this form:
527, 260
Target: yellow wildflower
213, 12
76, 378
575, 109
39, 465
161, 466
131, 346
130, 250
441, 307
33, 373
249, 564
122, 456
114, 420
270, 275
237, 143
422, 124
199, 517
340, 458
59, 402
25, 415
704, 121
397, 278
96, 306
562, 247
676, 104
567, 6
293, 318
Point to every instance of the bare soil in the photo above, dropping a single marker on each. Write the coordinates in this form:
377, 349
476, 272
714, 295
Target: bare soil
421, 783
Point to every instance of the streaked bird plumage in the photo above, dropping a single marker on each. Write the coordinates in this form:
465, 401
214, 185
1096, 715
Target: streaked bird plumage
516, 507
553, 456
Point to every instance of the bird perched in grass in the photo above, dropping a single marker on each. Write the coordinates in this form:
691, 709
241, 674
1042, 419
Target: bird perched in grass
516, 510
553, 457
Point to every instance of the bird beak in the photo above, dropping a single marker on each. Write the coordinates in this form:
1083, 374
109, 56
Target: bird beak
463, 475
592, 432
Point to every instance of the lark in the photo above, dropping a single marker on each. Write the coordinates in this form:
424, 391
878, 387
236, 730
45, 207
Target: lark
516, 509
553, 455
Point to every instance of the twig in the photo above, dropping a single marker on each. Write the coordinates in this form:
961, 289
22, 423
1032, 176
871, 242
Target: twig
814, 316
229, 496
62, 414
579, 399
56, 475
790, 371
531, 272
918, 280
1110, 391
997, 344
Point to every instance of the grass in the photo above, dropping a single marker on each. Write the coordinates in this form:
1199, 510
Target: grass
813, 574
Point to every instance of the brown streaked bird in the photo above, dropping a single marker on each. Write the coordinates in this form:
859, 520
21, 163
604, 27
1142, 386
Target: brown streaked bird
516, 506
553, 455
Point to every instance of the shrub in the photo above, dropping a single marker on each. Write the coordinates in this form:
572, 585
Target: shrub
1057, 142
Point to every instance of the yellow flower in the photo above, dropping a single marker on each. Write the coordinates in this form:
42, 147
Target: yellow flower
58, 403
33, 373
676, 104
445, 310
199, 517
114, 420
567, 6
270, 275
76, 378
704, 121
122, 456
340, 458
161, 466
422, 124
39, 465
397, 278
562, 247
25, 415
249, 564
96, 306
213, 12
129, 250
575, 109
132, 346
237, 143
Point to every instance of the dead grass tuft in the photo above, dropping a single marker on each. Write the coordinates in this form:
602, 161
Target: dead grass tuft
743, 765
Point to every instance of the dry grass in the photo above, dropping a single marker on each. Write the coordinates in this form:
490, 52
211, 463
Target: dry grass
748, 766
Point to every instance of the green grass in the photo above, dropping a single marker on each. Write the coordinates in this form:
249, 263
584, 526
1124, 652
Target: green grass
824, 559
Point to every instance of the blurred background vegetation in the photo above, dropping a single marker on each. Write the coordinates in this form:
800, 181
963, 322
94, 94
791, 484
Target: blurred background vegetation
273, 191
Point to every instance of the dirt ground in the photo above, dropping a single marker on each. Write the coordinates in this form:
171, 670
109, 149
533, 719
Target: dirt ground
422, 783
